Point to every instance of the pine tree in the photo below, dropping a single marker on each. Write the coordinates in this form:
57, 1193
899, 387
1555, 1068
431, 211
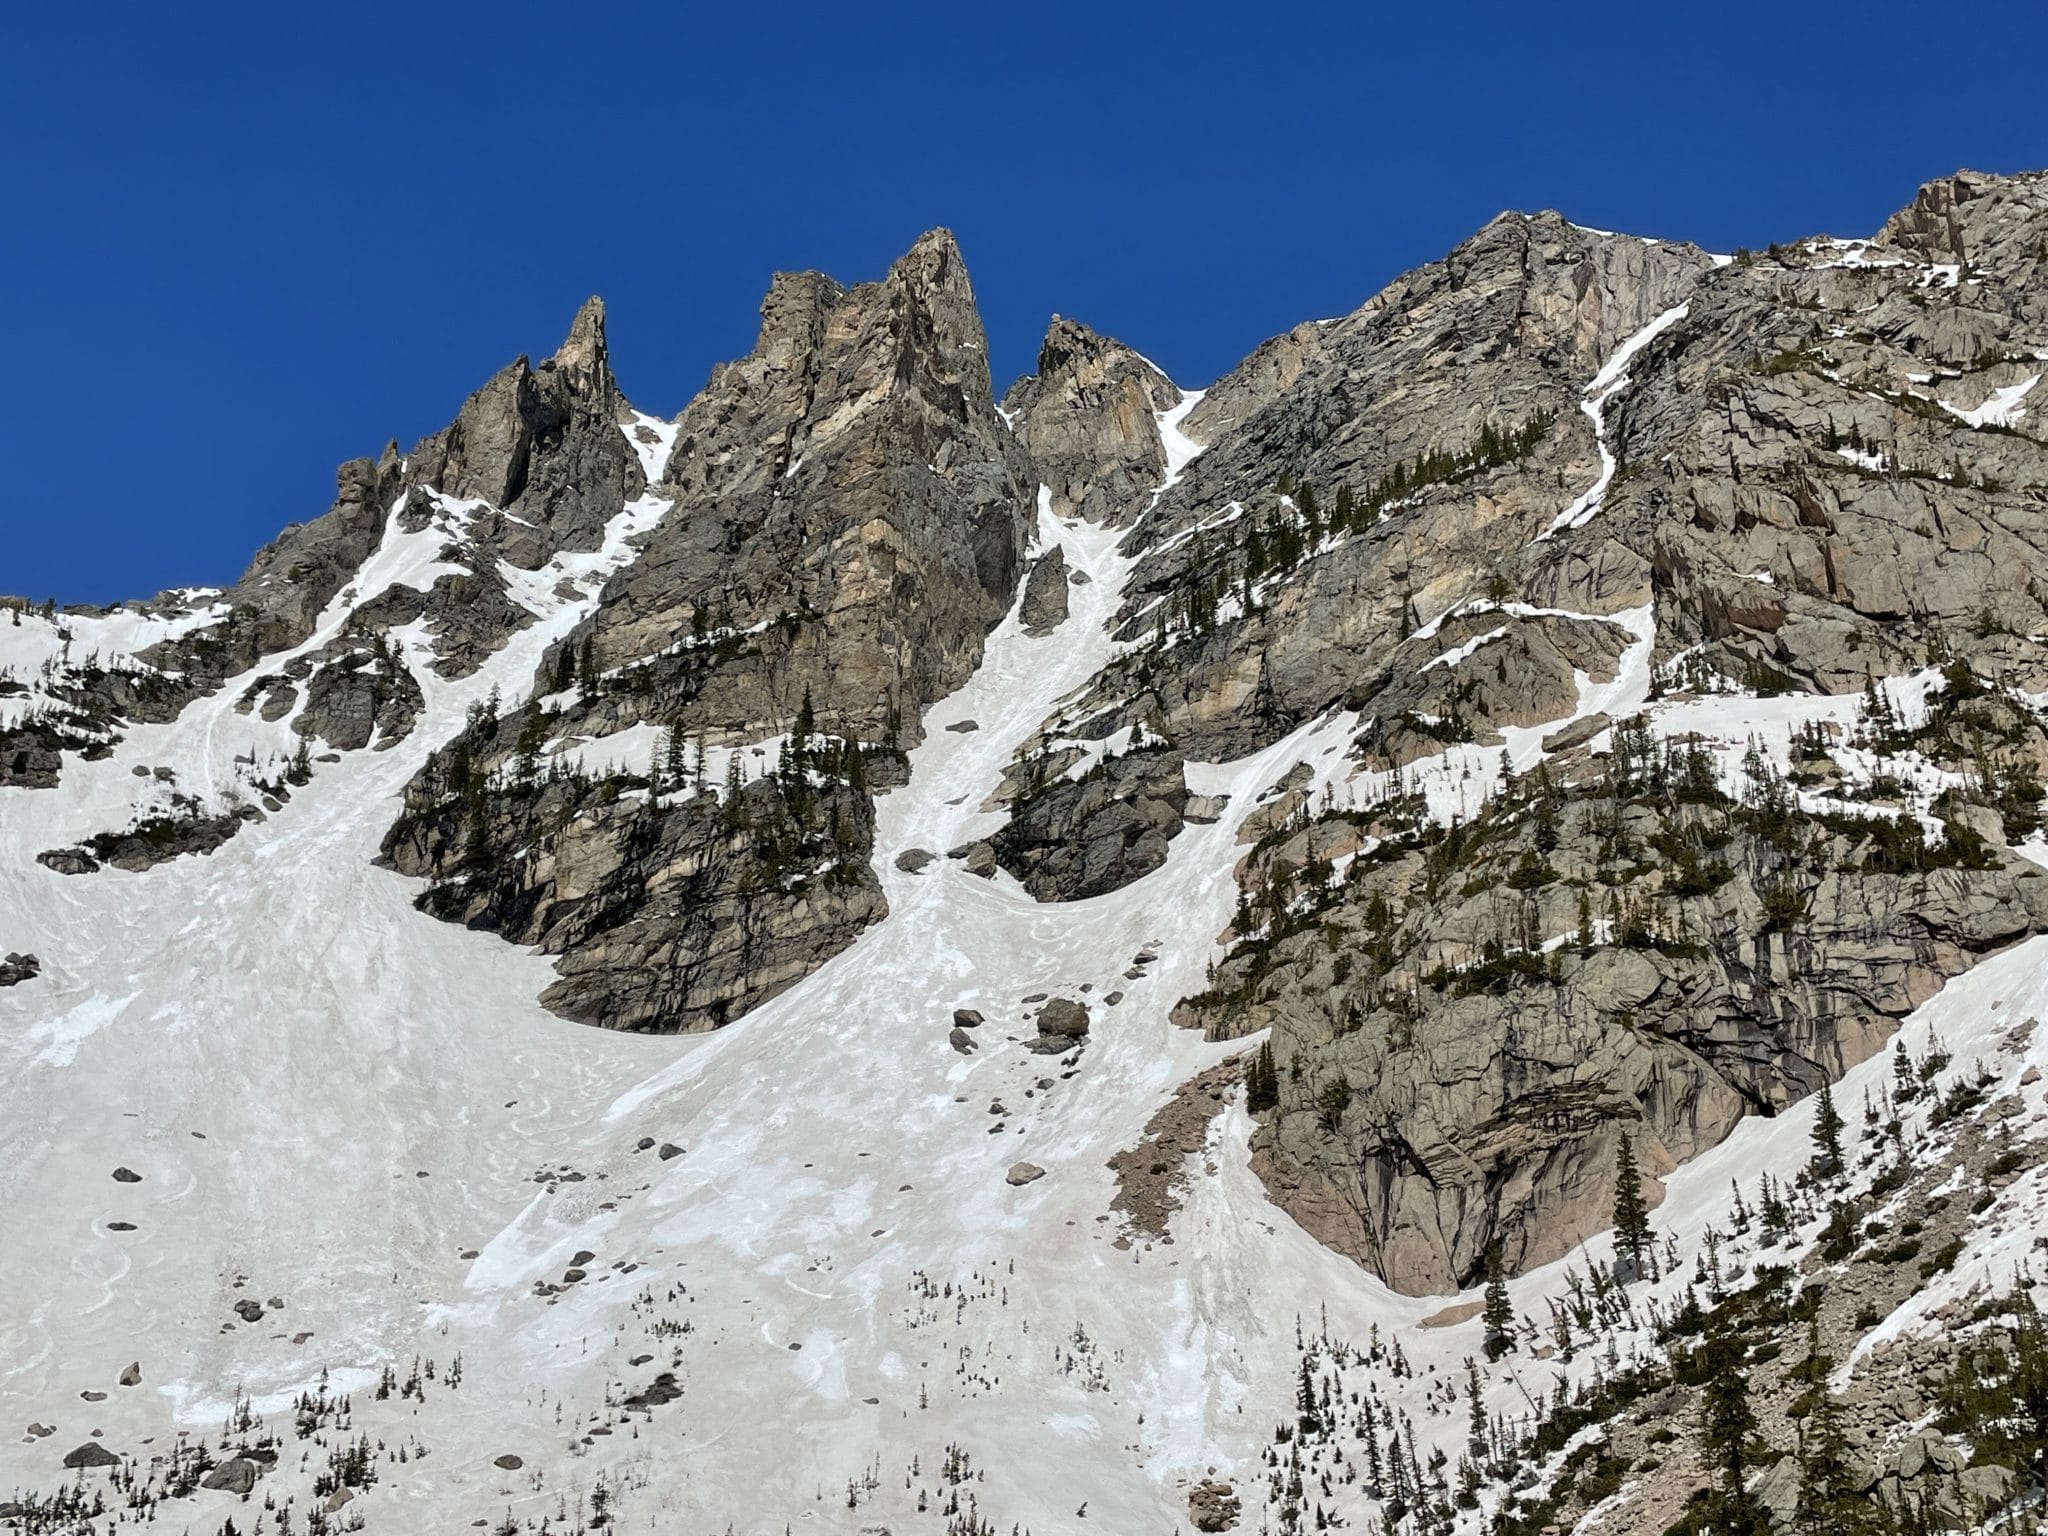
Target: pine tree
1827, 1135
1498, 1318
1261, 1082
800, 739
678, 754
1308, 1417
1829, 1501
1726, 1420
735, 809
1631, 1215
1478, 1431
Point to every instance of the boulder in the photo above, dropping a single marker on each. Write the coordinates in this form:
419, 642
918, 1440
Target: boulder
235, 1475
1024, 1173
1213, 1506
1071, 838
1064, 1017
1577, 734
979, 858
1044, 605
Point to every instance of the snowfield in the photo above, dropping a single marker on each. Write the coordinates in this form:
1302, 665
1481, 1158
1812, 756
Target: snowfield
336, 1102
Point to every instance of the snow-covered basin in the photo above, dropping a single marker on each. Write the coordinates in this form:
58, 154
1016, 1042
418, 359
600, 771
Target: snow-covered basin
336, 1101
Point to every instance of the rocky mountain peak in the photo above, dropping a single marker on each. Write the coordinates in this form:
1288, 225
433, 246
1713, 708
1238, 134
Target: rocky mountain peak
849, 475
939, 348
1088, 418
584, 355
1995, 221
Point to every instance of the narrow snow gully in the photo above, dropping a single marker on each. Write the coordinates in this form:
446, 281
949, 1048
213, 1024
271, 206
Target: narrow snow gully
1607, 383
865, 1284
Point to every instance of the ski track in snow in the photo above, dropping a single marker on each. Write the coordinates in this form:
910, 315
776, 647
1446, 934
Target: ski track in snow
338, 1098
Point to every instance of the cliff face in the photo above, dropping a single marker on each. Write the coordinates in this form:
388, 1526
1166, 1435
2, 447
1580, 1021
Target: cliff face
843, 517
1554, 480
848, 517
1485, 766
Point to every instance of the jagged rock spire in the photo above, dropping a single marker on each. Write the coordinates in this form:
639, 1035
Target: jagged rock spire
1088, 420
584, 353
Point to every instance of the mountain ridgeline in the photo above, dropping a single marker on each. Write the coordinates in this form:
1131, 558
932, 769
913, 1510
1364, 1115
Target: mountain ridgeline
1545, 530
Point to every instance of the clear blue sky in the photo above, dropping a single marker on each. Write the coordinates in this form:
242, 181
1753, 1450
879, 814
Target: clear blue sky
243, 243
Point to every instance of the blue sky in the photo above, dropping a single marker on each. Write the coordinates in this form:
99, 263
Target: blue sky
244, 243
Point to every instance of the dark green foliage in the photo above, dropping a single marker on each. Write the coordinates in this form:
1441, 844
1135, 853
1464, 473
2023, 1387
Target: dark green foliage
1497, 1320
1727, 1422
1827, 1135
1998, 1395
1308, 1413
1261, 1082
1631, 1213
1331, 1101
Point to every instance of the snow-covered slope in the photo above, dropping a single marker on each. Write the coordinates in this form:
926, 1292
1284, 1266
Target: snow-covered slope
297, 1176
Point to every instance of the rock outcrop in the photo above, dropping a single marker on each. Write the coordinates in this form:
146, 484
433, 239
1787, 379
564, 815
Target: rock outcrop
1088, 420
850, 520
671, 910
847, 520
1472, 1017
1070, 838
1044, 605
